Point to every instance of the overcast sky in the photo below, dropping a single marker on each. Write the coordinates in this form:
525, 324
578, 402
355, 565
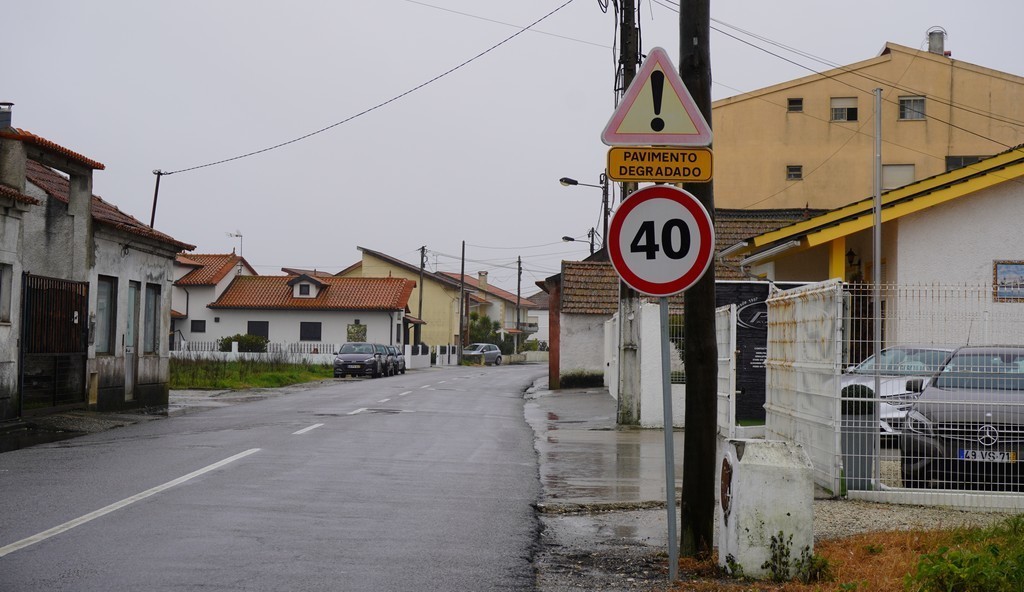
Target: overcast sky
470, 155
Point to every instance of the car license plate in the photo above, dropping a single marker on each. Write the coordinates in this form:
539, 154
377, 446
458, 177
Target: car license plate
354, 366
989, 455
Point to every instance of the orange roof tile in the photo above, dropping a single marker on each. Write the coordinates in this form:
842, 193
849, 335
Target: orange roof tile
210, 269
30, 138
338, 293
6, 191
56, 186
492, 290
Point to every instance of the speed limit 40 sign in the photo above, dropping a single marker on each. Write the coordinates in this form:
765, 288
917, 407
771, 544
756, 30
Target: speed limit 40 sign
661, 240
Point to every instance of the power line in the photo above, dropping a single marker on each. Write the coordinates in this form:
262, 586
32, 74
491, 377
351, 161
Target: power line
379, 105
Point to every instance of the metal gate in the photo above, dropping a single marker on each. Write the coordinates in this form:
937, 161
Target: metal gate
54, 343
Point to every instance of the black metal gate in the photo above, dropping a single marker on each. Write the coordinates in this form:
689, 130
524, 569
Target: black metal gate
54, 343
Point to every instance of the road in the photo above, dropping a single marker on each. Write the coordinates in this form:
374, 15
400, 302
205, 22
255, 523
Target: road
422, 481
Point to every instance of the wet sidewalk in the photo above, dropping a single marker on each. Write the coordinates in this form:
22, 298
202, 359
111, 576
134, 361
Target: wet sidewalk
602, 504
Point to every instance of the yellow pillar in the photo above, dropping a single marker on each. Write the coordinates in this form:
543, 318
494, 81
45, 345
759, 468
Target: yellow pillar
837, 258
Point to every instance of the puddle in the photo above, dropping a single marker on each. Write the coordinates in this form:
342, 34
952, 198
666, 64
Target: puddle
31, 436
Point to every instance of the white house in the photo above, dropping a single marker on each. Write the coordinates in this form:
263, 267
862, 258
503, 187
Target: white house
200, 279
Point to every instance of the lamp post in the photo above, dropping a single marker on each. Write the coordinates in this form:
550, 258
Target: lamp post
590, 233
603, 180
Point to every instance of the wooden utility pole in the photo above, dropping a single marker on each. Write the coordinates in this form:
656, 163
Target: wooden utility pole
701, 349
628, 412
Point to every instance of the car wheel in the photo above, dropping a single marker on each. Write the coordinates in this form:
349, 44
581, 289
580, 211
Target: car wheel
403, 370
914, 479
497, 361
376, 372
336, 375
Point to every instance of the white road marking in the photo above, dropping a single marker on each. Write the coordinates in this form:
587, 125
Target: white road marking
383, 400
309, 429
357, 411
118, 505
405, 393
425, 386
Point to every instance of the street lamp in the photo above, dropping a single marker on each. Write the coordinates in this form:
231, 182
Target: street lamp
603, 180
590, 233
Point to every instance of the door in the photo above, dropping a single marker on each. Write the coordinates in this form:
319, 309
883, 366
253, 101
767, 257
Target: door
131, 342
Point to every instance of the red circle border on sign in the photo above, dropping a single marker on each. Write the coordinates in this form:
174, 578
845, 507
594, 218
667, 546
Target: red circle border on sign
704, 255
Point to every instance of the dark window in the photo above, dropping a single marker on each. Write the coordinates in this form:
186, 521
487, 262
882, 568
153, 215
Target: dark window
795, 105
844, 108
911, 108
151, 327
106, 314
303, 289
259, 328
198, 327
309, 331
794, 172
955, 162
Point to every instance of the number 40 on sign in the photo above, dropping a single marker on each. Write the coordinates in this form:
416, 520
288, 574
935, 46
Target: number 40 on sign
661, 240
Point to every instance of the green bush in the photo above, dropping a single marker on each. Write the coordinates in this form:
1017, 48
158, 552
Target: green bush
982, 560
581, 379
246, 343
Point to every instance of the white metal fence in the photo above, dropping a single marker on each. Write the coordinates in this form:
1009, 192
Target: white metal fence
911, 428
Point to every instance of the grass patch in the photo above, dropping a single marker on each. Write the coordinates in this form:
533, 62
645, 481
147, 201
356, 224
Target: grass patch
960, 560
243, 374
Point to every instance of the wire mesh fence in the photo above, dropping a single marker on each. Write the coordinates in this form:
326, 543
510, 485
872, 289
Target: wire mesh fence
935, 404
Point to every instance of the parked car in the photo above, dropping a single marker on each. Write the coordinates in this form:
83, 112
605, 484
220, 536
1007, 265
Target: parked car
399, 359
488, 351
899, 365
966, 429
360, 359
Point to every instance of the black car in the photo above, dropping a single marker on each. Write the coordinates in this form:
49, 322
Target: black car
360, 359
966, 429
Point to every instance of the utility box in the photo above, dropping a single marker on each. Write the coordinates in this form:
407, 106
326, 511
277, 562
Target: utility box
766, 488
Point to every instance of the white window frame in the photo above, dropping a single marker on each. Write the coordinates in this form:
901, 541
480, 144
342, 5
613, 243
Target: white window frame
909, 111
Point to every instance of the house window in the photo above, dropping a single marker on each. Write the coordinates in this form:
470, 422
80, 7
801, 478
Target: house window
6, 283
911, 108
151, 323
794, 172
106, 314
844, 109
897, 175
309, 331
955, 162
303, 289
258, 328
198, 327
795, 105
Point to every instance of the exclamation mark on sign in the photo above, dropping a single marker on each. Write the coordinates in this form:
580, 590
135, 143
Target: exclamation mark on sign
657, 86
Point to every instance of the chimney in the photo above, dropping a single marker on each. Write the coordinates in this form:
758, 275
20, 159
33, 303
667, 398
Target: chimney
937, 41
6, 110
482, 282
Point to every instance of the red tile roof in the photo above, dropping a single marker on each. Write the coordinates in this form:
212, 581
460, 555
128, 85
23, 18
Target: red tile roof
56, 186
492, 290
30, 138
11, 193
339, 293
209, 269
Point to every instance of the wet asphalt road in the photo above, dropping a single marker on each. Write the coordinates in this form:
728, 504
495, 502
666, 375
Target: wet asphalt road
422, 481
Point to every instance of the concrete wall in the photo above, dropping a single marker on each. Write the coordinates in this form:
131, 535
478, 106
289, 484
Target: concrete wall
10, 304
581, 347
652, 390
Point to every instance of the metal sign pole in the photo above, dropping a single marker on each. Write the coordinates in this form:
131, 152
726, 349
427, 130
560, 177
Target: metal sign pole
670, 461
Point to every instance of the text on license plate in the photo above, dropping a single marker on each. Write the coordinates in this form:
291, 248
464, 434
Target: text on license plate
354, 366
989, 455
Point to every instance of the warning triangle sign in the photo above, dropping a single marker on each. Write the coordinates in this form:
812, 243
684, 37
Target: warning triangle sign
657, 110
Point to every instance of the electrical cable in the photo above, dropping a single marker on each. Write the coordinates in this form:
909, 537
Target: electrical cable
379, 105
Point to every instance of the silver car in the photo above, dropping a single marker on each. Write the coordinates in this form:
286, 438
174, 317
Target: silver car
900, 365
487, 351
966, 429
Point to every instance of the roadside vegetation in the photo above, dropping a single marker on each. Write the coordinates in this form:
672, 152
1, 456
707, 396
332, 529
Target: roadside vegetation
961, 560
243, 374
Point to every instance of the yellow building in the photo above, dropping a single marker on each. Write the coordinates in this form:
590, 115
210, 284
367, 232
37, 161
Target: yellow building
440, 312
810, 142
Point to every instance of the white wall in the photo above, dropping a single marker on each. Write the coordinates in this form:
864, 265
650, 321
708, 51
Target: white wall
957, 242
582, 339
652, 410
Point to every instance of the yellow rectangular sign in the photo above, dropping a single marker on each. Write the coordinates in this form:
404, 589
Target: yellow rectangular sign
659, 165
